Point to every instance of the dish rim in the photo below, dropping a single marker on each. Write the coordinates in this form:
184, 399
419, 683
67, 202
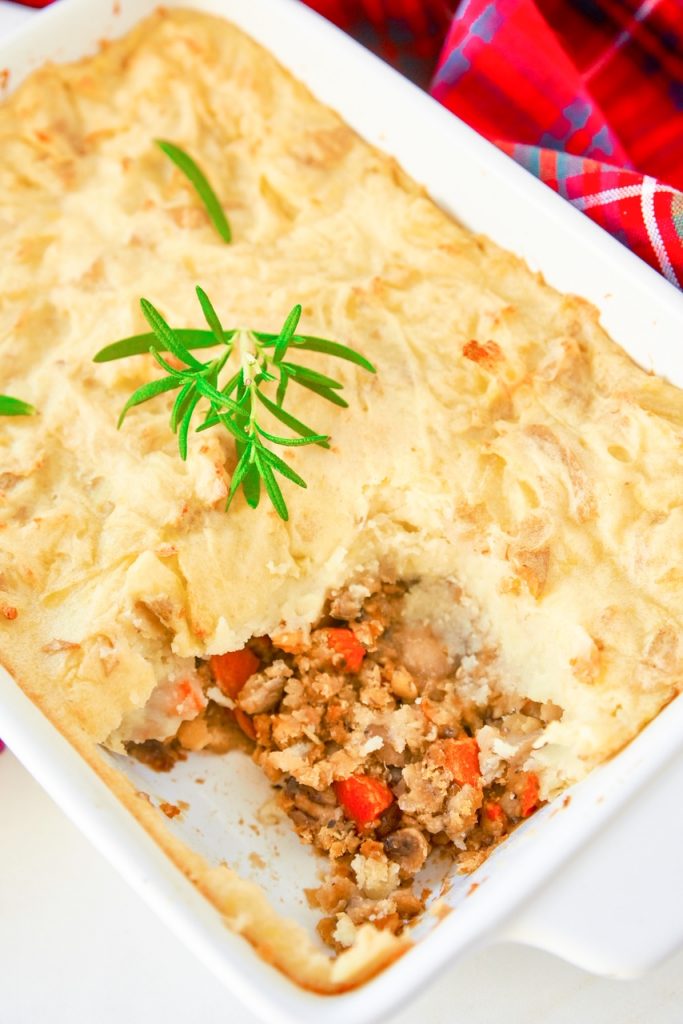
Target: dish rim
123, 839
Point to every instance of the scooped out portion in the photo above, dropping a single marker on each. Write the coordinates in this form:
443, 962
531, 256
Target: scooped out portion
389, 732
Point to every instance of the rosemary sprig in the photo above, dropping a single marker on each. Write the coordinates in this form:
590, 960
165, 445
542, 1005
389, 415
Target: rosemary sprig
199, 182
15, 407
264, 359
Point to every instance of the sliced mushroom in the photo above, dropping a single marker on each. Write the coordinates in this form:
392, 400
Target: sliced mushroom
318, 807
408, 848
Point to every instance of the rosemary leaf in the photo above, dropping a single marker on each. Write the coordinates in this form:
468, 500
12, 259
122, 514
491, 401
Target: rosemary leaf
216, 397
308, 343
185, 426
251, 486
210, 315
147, 391
272, 487
167, 336
241, 470
198, 180
180, 404
15, 407
305, 373
282, 387
140, 344
333, 348
291, 442
230, 425
289, 421
282, 467
212, 420
286, 334
324, 392
172, 371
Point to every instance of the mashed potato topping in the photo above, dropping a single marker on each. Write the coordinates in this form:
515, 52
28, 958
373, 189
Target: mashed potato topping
505, 444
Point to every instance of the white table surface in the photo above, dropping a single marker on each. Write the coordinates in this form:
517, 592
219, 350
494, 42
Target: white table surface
77, 946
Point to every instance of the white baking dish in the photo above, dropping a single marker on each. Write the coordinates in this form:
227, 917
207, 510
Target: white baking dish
578, 878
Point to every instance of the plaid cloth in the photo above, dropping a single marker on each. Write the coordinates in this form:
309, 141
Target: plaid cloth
587, 95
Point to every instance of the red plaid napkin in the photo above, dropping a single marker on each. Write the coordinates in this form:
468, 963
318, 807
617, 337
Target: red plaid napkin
588, 95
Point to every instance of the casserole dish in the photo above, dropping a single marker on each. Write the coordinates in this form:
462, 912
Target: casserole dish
196, 825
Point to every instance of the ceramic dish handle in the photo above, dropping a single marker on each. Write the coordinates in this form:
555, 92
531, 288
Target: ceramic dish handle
617, 907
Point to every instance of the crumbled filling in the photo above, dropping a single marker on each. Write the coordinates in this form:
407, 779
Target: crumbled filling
388, 732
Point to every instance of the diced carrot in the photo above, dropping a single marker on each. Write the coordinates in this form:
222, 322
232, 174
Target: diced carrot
460, 758
344, 642
493, 811
232, 670
529, 797
487, 354
363, 797
245, 723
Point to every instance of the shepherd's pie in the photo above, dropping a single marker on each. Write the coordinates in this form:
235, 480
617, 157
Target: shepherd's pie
478, 597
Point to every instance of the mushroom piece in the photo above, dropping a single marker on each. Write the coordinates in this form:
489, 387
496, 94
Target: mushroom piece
424, 655
318, 807
408, 848
263, 691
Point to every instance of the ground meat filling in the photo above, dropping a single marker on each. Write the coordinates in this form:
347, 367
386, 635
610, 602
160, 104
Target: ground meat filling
387, 734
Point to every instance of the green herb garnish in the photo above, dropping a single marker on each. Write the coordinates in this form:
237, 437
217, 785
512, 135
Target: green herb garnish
14, 407
236, 403
198, 180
